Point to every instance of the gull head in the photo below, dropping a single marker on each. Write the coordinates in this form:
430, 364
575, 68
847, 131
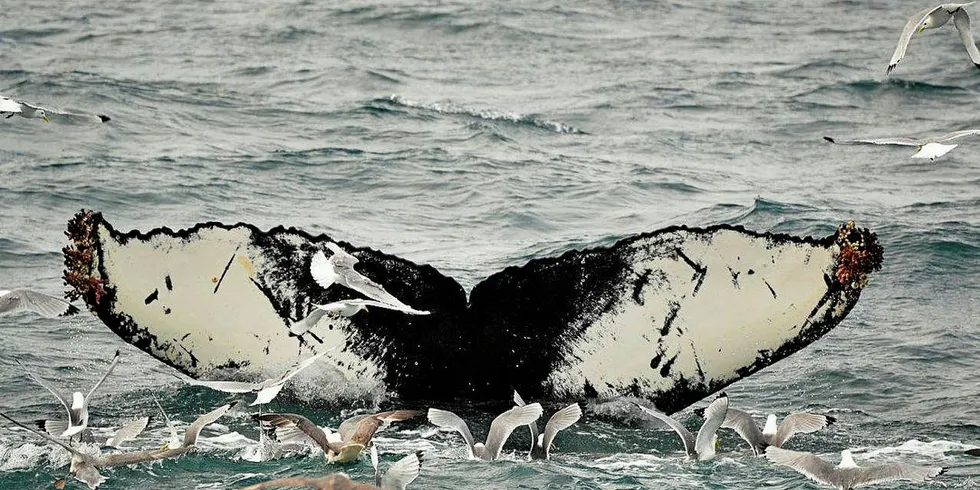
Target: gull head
40, 114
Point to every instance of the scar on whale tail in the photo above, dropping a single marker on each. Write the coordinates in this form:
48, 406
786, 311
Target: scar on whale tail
670, 315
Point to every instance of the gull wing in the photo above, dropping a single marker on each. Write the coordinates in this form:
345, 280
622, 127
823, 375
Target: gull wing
9, 105
349, 426
267, 394
743, 424
402, 473
87, 474
961, 19
305, 363
448, 420
48, 387
892, 472
374, 463
800, 423
808, 464
53, 427
533, 426
128, 431
340, 256
225, 386
375, 291
878, 141
194, 430
304, 325
956, 134
561, 420
320, 269
338, 305
300, 422
714, 415
682, 431
363, 430
504, 424
907, 32
112, 365
174, 438
75, 453
40, 303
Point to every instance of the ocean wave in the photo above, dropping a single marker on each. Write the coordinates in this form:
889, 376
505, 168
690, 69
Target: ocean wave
449, 108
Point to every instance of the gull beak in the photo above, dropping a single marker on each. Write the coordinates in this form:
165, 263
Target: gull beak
921, 28
717, 444
45, 118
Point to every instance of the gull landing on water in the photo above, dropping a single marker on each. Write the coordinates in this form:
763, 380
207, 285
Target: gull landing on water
10, 107
77, 411
932, 18
702, 447
560, 420
848, 474
500, 428
930, 147
773, 434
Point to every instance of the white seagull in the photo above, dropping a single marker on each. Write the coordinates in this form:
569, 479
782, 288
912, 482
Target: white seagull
266, 390
560, 420
43, 304
345, 308
772, 434
931, 147
847, 474
77, 411
400, 474
339, 269
129, 431
702, 447
932, 18
500, 428
10, 107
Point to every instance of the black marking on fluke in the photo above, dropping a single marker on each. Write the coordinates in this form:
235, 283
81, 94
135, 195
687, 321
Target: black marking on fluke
168, 282
152, 297
225, 271
476, 350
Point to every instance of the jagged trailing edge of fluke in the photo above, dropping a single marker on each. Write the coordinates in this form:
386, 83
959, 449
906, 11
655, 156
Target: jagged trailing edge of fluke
670, 315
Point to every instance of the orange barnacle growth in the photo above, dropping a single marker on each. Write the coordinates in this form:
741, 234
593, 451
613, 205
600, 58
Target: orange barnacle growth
860, 254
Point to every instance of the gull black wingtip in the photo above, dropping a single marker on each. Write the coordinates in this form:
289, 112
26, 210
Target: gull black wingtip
972, 452
72, 309
830, 420
828, 138
104, 118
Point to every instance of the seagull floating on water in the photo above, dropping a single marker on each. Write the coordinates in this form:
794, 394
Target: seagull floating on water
848, 474
77, 411
339, 269
932, 18
343, 446
85, 467
931, 147
10, 107
702, 447
560, 420
43, 304
266, 390
500, 428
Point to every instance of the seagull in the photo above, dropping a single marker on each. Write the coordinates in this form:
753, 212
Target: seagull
847, 474
345, 308
703, 447
40, 303
400, 474
561, 420
9, 107
500, 428
85, 467
77, 411
771, 434
128, 432
343, 446
174, 438
339, 269
932, 18
266, 390
930, 147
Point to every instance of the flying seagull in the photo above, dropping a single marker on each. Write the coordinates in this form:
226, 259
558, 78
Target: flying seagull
400, 474
847, 474
343, 446
561, 420
129, 431
40, 303
500, 428
85, 467
702, 447
345, 308
10, 107
772, 434
339, 269
932, 18
77, 411
266, 390
930, 147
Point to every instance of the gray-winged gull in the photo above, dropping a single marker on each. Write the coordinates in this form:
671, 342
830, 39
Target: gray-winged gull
560, 420
10, 107
932, 18
931, 147
500, 429
702, 447
848, 474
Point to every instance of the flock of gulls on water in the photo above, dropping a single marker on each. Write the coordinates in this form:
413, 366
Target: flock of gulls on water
353, 436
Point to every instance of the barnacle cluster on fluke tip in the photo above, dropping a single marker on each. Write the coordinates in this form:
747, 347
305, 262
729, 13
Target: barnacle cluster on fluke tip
860, 255
81, 255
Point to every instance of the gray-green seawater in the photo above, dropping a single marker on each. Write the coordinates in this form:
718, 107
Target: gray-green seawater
476, 135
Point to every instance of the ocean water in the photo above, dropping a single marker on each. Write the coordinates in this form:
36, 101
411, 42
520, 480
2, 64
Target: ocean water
476, 135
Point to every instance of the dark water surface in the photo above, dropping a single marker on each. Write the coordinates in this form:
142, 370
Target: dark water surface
476, 135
